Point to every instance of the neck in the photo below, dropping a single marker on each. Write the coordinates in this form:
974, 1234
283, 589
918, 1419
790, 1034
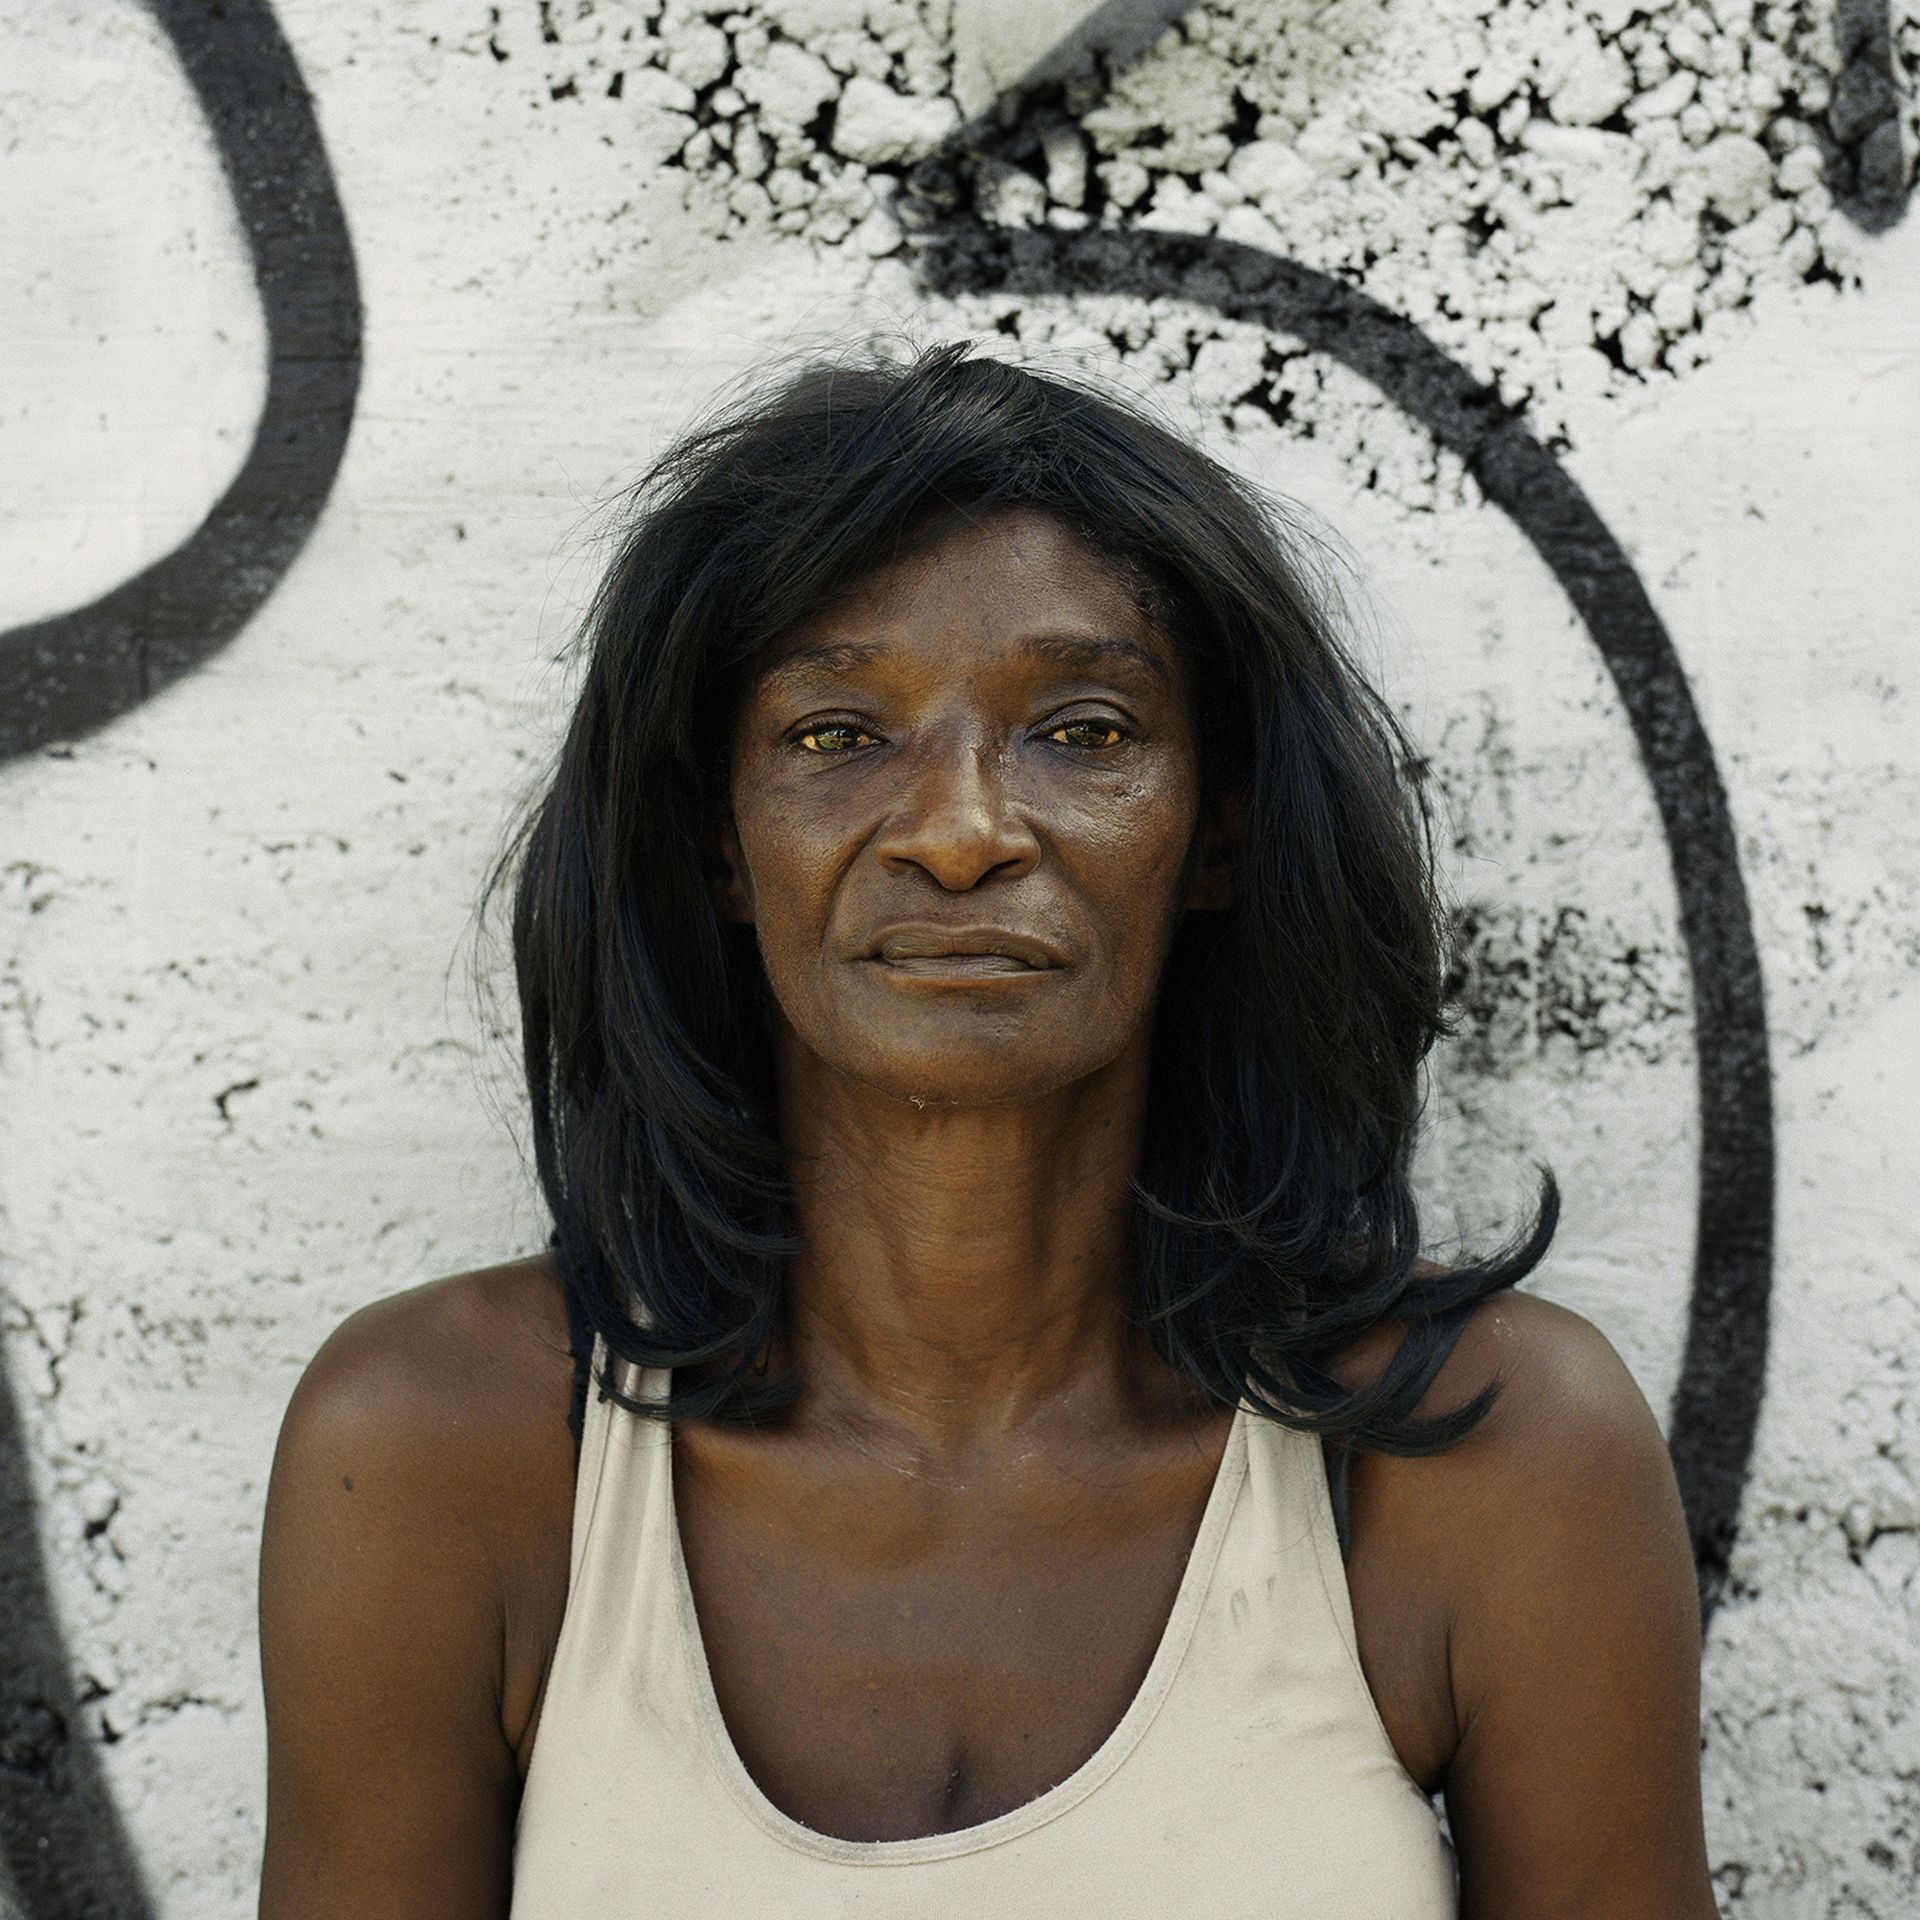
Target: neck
965, 1269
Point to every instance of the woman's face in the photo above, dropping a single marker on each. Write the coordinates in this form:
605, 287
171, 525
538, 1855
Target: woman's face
964, 804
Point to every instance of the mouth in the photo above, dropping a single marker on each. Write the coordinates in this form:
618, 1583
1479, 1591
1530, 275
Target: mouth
963, 953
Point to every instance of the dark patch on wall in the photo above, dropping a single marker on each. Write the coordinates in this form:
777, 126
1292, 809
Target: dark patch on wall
63, 1852
1860, 135
65, 676
1523, 982
1716, 1406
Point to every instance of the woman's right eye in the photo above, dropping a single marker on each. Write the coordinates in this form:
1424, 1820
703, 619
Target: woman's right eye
835, 737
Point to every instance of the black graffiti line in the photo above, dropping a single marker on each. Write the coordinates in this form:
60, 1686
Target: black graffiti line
65, 676
1716, 1405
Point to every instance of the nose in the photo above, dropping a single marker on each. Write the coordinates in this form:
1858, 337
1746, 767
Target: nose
956, 819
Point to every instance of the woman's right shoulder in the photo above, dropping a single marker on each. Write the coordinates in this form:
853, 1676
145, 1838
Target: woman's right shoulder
412, 1576
428, 1366
444, 1406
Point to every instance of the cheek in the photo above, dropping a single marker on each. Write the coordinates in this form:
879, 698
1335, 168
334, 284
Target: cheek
791, 870
1133, 848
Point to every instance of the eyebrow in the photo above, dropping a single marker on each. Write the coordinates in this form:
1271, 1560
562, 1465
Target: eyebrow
830, 656
1086, 651
1076, 650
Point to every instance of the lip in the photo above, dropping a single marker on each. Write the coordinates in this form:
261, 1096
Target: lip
965, 952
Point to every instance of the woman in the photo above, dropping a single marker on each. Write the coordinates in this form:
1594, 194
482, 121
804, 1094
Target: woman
976, 952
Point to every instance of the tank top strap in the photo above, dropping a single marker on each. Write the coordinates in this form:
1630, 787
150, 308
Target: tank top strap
615, 1463
1290, 1560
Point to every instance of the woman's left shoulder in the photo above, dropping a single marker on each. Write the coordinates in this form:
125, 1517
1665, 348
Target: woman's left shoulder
1551, 1543
1563, 1391
1567, 1466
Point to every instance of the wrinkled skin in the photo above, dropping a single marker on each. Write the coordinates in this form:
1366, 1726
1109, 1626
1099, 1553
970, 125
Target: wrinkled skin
992, 736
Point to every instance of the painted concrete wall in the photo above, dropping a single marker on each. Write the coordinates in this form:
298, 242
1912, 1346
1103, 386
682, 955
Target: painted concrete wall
1587, 331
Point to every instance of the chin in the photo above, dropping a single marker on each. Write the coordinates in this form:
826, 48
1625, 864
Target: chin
957, 1050
996, 1074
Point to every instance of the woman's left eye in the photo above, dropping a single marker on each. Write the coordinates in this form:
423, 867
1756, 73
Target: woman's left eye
1086, 733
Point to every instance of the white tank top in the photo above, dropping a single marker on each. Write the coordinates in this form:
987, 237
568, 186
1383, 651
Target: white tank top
1251, 1778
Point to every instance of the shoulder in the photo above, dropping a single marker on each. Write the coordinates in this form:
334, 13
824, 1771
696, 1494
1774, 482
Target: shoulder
1551, 1559
438, 1412
1560, 1503
1568, 1460
412, 1574
475, 1358
1564, 1494
1559, 1376
427, 1445
1562, 1391
431, 1427
1569, 1467
1541, 1568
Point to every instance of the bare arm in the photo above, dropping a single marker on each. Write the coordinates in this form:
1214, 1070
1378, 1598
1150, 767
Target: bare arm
394, 1524
1573, 1642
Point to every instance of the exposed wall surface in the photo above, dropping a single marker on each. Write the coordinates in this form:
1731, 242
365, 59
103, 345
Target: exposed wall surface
1589, 330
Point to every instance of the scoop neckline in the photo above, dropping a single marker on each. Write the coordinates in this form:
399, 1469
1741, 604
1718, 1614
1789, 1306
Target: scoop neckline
1099, 1766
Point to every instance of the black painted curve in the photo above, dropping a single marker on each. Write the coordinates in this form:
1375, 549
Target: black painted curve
1716, 1405
65, 676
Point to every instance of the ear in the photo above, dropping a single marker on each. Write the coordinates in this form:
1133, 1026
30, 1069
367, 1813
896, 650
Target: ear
727, 875
1219, 849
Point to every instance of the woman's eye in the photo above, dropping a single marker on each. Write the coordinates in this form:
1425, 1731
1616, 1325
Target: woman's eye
840, 737
1086, 733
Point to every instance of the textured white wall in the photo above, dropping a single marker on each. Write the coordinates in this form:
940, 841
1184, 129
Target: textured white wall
244, 1091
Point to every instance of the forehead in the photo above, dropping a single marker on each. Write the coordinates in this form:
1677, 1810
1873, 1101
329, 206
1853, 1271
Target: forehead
1010, 583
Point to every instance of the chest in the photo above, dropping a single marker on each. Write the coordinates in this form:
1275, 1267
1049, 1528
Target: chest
885, 1668
891, 1662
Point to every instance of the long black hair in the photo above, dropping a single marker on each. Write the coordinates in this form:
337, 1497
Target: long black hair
1274, 1216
